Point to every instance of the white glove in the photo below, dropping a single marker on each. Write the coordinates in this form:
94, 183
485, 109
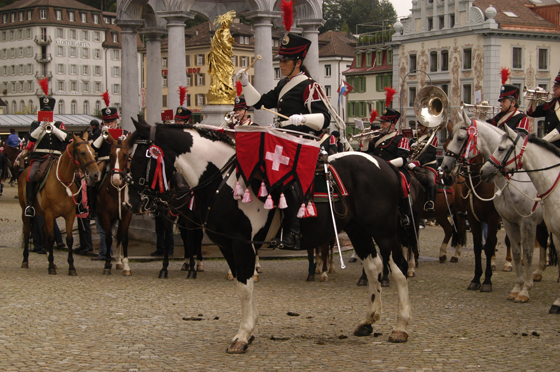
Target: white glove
296, 119
411, 166
243, 77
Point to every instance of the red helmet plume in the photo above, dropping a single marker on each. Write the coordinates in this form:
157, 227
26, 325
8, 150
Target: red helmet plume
106, 98
44, 83
505, 74
374, 115
389, 93
287, 7
239, 88
182, 94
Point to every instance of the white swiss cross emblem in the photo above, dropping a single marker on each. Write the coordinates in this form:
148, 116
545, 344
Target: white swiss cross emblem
277, 158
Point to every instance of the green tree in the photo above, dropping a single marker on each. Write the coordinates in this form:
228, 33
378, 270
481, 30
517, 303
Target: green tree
356, 13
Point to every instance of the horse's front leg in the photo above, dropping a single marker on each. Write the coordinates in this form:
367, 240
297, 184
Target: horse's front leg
106, 225
69, 219
514, 235
25, 235
528, 233
48, 229
311, 265
123, 234
508, 265
245, 267
542, 240
490, 250
372, 266
477, 242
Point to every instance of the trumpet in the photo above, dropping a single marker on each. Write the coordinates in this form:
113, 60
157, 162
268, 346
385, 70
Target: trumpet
481, 110
229, 119
105, 132
539, 94
48, 128
364, 135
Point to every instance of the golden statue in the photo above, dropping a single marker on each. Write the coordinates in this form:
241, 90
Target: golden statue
220, 64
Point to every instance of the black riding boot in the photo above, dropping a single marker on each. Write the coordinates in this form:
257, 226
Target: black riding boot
30, 196
291, 234
404, 212
429, 206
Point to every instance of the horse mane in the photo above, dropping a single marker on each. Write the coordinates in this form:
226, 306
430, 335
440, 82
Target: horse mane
544, 144
462, 124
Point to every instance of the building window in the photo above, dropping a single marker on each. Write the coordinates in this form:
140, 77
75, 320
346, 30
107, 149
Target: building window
73, 107
199, 79
59, 51
61, 107
83, 16
60, 33
97, 106
327, 70
116, 89
28, 33
97, 53
85, 35
188, 100
106, 20
379, 58
164, 81
85, 70
444, 60
517, 58
73, 86
97, 86
42, 14
72, 34
467, 59
96, 19
85, 53
358, 60
441, 22
433, 61
59, 15
116, 71
95, 36
328, 90
29, 15
86, 107
72, 52
452, 20
85, 86
60, 86
412, 64
276, 73
164, 62
467, 93
430, 24
189, 80
4, 18
29, 69
368, 59
200, 59
71, 16
200, 99
73, 69
97, 70
115, 37
243, 61
60, 68
411, 96
390, 57
115, 54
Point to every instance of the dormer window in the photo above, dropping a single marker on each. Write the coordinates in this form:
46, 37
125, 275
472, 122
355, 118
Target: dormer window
71, 16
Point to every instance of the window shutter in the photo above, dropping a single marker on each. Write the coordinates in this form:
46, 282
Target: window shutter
188, 60
203, 79
363, 83
203, 59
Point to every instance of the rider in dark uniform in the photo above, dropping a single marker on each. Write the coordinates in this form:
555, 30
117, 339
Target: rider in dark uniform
551, 112
182, 115
510, 114
299, 98
425, 165
47, 145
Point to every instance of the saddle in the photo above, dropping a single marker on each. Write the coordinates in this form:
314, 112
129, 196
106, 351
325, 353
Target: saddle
44, 168
320, 192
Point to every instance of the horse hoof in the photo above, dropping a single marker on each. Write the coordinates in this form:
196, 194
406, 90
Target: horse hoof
554, 309
127, 273
310, 278
537, 277
162, 275
398, 337
200, 268
507, 268
191, 274
237, 347
454, 260
25, 265
363, 330
72, 272
473, 286
521, 299
324, 278
185, 267
486, 288
229, 277
362, 282
385, 283
512, 296
52, 271
442, 259
106, 271
493, 267
119, 266
411, 274
353, 259
259, 269
332, 270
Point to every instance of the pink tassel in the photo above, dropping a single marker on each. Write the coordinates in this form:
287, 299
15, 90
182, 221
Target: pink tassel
302, 210
268, 204
247, 196
262, 191
238, 191
311, 209
282, 202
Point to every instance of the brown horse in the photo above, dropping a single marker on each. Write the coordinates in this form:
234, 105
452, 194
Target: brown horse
57, 197
111, 208
11, 153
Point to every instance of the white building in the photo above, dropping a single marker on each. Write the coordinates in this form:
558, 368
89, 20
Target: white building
76, 46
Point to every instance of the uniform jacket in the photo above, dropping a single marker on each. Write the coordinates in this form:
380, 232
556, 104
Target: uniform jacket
46, 143
104, 151
294, 102
390, 146
515, 120
550, 111
428, 157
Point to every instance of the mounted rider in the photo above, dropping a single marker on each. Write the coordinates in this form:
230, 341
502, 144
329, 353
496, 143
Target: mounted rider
47, 141
509, 105
551, 112
425, 165
182, 114
299, 98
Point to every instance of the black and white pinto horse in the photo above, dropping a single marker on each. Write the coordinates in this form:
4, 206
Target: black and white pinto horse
541, 160
206, 159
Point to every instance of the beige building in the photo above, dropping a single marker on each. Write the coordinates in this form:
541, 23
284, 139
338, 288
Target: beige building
461, 45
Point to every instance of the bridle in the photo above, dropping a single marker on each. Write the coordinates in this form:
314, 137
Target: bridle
469, 144
517, 159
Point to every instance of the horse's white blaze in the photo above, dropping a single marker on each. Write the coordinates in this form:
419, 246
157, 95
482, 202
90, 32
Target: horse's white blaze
354, 153
249, 313
117, 177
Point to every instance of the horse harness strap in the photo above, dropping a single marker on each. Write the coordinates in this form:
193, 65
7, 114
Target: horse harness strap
228, 170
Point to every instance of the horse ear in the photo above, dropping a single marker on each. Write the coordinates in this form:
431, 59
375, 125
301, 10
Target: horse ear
466, 118
86, 135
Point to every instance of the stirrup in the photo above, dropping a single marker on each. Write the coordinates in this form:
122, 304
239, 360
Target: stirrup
29, 211
429, 206
405, 221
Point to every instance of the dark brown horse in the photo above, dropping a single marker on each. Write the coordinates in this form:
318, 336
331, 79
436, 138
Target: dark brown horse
11, 153
57, 197
111, 206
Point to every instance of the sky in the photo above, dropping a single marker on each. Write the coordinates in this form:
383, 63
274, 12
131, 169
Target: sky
402, 7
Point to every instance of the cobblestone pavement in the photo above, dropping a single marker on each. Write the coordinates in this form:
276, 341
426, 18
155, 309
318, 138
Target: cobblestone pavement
140, 323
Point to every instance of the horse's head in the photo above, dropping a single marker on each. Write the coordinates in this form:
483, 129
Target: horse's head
507, 158
82, 155
457, 144
119, 161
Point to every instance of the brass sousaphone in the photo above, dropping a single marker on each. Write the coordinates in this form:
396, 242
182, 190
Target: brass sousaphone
431, 107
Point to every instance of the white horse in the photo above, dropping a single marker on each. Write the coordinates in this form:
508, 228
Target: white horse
516, 209
541, 160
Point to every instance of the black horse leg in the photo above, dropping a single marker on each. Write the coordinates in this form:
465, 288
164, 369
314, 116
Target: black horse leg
476, 230
489, 250
27, 228
168, 241
311, 265
385, 277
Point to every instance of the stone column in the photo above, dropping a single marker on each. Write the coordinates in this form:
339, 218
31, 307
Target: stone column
264, 72
130, 93
154, 99
311, 32
177, 65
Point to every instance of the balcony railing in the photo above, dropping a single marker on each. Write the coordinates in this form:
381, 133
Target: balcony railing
374, 38
43, 58
43, 41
